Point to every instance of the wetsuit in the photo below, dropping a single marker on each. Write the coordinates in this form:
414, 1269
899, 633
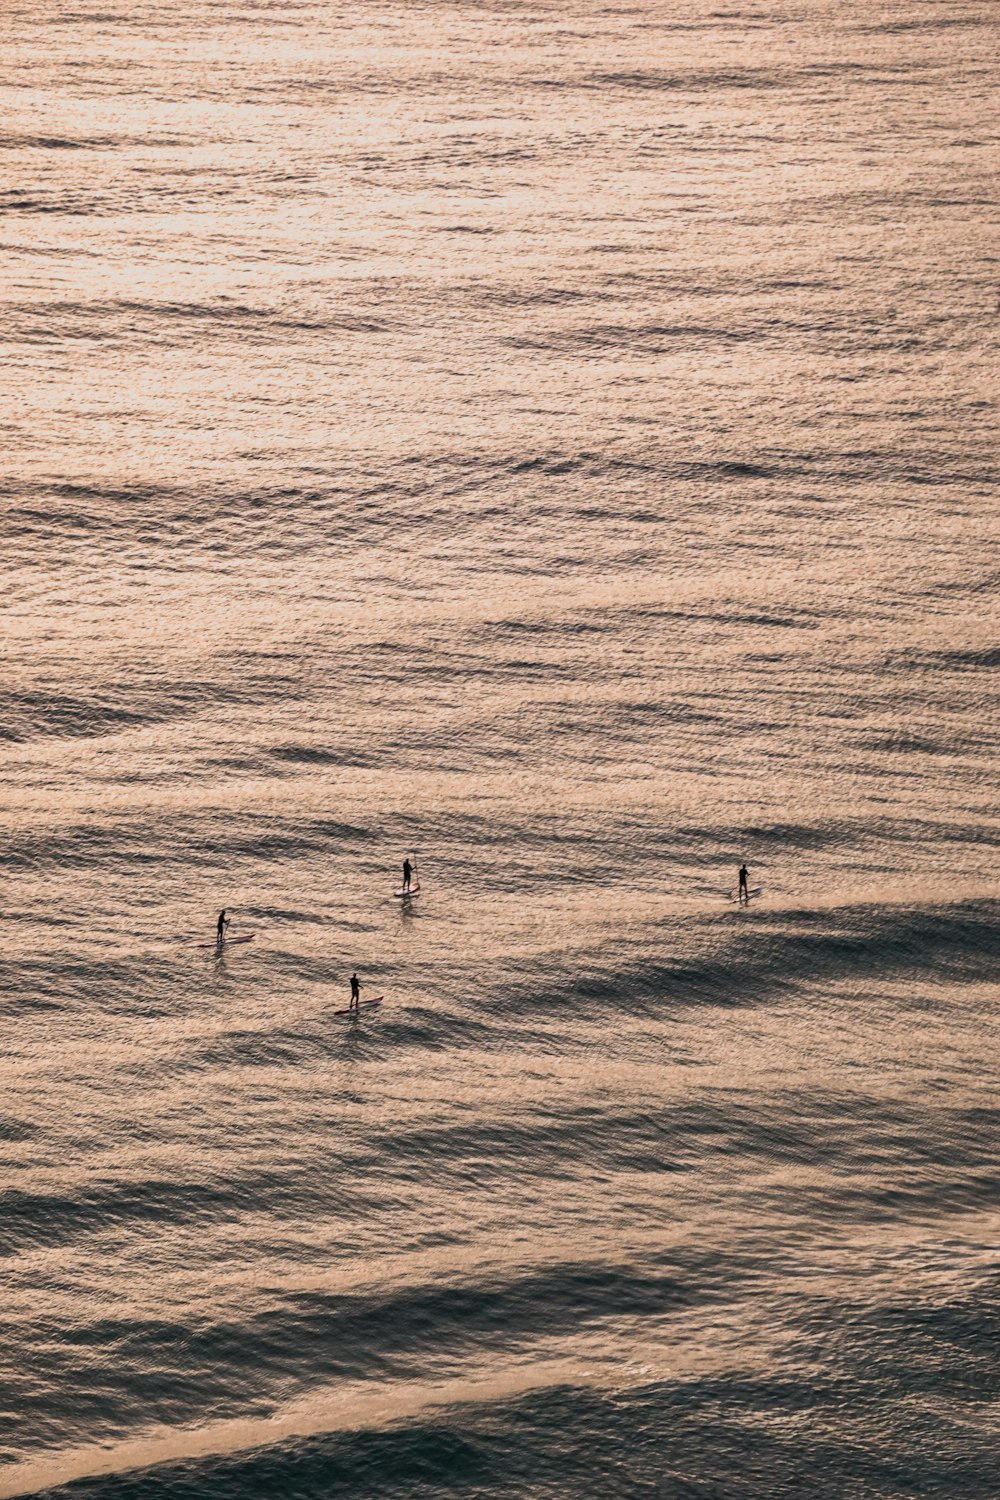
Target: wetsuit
744, 893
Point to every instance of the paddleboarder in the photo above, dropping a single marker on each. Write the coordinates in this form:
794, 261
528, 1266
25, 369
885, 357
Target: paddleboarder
744, 893
407, 873
355, 993
220, 928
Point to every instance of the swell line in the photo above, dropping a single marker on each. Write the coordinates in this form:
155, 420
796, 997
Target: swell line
350, 1408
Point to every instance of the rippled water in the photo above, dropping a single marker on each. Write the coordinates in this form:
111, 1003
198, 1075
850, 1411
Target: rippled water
559, 441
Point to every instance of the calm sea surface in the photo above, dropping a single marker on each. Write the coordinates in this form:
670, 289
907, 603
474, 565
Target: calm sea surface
557, 441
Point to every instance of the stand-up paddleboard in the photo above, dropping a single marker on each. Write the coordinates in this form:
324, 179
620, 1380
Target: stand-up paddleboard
752, 894
402, 894
241, 937
347, 1010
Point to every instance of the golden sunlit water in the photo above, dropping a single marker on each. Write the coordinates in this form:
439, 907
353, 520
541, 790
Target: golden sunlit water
556, 442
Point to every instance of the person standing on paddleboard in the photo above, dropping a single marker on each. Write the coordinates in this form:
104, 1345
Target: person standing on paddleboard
355, 993
220, 928
407, 873
744, 893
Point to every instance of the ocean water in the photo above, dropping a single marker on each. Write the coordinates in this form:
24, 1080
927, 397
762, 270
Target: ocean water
558, 441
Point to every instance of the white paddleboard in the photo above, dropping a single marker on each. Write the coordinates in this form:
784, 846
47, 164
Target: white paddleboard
377, 1001
411, 892
241, 937
752, 894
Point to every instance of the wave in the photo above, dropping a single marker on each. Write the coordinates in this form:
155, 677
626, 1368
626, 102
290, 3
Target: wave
745, 959
779, 1418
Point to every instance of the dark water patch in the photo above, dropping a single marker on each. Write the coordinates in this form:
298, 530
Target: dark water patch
488, 1311
897, 742
748, 956
28, 522
89, 17
78, 845
801, 619
25, 716
567, 1144
430, 1028
27, 140
139, 985
110, 1208
166, 323
419, 495
887, 467
206, 839
970, 658
979, 832
727, 843
10, 141
722, 979
405, 664
928, 22
280, 1048
650, 338
115, 707
727, 612
948, 1346
859, 1141
781, 622
550, 464
934, 1199
987, 583
251, 763
32, 1219
242, 316
295, 838
294, 914
697, 80
141, 492
948, 941
548, 296
732, 468
599, 623
19, 201
315, 755
27, 987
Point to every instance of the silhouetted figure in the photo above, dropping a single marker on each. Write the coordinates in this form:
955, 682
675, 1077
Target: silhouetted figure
220, 928
407, 873
355, 993
744, 894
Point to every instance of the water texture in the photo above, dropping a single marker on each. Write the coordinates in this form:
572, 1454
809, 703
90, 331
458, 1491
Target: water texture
557, 441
